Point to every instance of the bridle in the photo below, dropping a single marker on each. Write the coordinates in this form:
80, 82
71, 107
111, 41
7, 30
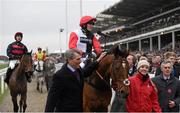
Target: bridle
28, 71
125, 81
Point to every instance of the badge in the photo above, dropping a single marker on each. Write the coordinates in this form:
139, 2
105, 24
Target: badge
169, 91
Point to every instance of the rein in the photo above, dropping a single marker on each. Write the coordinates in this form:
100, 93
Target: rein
100, 76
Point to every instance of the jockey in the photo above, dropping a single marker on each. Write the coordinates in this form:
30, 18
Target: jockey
83, 38
39, 56
15, 51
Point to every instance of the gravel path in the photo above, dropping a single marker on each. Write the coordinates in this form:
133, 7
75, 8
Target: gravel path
35, 100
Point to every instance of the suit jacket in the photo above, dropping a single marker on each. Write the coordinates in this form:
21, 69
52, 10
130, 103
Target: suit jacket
66, 92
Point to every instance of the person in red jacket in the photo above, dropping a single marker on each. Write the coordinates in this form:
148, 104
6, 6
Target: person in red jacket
143, 94
83, 38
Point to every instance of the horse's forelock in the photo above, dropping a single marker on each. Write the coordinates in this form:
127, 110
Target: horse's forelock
117, 51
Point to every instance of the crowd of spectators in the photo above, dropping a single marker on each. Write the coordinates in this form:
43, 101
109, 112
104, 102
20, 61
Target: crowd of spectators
156, 24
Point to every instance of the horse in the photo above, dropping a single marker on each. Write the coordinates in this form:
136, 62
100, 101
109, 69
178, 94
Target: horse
49, 70
18, 82
40, 78
97, 91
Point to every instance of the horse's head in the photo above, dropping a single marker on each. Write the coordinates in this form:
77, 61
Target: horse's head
27, 63
119, 70
49, 64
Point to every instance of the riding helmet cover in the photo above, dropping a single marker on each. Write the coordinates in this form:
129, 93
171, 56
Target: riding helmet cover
85, 19
18, 34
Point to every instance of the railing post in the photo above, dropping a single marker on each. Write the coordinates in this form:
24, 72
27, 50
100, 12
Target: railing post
2, 84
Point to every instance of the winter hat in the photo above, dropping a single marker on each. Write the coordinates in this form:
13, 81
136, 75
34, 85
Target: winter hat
142, 62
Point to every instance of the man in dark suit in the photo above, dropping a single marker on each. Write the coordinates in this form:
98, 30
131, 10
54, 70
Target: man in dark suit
170, 56
66, 92
168, 87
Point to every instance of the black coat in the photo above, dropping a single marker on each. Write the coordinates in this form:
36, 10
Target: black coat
66, 92
168, 91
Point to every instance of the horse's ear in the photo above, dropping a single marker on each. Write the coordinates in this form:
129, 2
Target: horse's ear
116, 50
126, 53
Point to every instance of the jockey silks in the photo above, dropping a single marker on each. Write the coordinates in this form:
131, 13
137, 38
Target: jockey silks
39, 56
15, 50
84, 43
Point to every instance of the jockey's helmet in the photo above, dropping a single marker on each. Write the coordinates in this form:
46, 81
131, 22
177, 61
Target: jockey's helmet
18, 34
39, 49
85, 19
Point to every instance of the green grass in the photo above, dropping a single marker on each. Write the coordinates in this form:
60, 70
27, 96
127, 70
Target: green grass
3, 66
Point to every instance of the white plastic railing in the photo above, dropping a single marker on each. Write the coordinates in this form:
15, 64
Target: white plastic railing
3, 85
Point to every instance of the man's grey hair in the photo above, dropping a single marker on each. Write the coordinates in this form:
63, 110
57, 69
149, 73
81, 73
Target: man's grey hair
166, 62
71, 53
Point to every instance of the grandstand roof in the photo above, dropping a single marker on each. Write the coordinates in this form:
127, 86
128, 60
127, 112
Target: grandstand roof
134, 8
131, 11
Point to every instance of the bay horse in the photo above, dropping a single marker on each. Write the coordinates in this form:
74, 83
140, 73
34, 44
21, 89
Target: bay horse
18, 82
97, 91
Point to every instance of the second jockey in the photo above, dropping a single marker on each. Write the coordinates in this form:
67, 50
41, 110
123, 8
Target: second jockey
39, 55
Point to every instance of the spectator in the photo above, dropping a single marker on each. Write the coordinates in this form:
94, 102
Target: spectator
143, 96
66, 92
132, 62
168, 87
170, 56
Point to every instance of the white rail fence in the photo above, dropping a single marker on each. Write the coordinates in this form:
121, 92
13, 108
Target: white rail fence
2, 83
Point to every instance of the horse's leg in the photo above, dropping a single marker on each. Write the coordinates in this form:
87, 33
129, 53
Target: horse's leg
37, 84
20, 104
47, 82
23, 100
15, 105
42, 83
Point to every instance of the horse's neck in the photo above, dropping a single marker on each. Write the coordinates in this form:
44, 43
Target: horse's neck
101, 76
19, 70
40, 65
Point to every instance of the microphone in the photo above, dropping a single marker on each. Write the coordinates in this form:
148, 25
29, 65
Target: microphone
102, 34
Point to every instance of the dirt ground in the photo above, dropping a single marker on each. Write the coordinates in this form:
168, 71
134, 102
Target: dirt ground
35, 100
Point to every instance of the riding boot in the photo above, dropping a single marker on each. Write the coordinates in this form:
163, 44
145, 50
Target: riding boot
8, 74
